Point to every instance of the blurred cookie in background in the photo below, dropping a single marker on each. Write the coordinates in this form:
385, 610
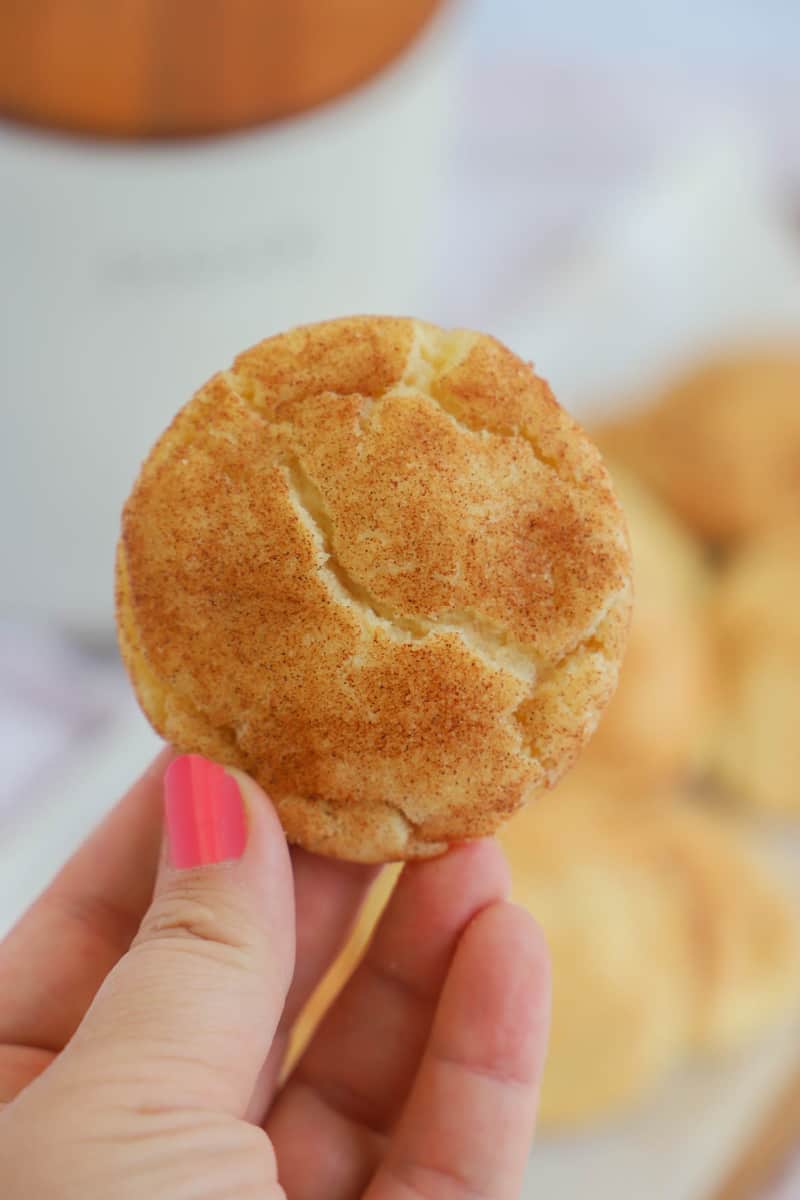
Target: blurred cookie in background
668, 937
742, 925
756, 618
722, 444
657, 724
621, 1008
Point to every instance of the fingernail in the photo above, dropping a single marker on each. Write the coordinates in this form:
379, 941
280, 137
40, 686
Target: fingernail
204, 813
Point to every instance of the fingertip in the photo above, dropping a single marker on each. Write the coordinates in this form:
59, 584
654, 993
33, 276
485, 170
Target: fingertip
158, 766
479, 862
248, 785
493, 852
502, 970
484, 1061
336, 871
257, 802
515, 931
488, 853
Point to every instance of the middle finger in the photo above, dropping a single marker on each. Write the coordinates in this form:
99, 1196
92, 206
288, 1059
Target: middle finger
355, 1075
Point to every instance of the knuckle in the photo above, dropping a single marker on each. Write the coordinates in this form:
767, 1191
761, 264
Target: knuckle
251, 1167
259, 1154
213, 923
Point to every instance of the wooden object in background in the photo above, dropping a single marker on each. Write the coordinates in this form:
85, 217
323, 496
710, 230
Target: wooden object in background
770, 1153
155, 68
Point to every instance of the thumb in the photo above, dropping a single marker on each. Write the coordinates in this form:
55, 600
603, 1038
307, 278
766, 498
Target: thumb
188, 1015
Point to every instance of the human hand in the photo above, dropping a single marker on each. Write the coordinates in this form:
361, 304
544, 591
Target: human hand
142, 1033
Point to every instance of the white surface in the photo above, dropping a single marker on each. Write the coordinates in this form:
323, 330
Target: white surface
568, 105
698, 259
677, 1148
56, 815
52, 696
708, 33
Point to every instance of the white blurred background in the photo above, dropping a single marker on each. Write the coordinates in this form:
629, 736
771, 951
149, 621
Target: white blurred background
614, 188
567, 106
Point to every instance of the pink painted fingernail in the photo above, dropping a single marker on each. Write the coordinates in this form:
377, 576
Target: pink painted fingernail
204, 813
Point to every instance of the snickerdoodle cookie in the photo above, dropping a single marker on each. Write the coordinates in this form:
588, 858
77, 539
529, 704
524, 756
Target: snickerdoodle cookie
722, 444
377, 566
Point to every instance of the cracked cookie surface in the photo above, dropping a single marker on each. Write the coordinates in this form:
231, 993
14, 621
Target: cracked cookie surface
378, 567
